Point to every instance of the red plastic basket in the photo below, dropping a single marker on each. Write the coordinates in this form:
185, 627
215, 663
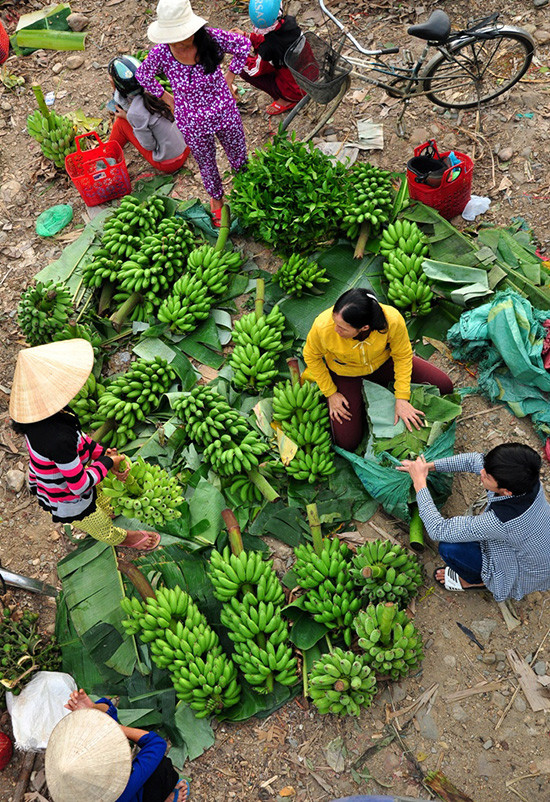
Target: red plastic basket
96, 179
454, 192
4, 44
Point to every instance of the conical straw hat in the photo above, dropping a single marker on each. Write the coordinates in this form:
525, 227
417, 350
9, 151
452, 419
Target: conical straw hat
47, 377
88, 758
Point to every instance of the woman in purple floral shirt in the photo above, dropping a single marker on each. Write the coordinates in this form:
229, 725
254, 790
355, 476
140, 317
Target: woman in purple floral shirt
190, 55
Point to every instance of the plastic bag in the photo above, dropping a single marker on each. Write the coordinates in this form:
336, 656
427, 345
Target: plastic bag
38, 708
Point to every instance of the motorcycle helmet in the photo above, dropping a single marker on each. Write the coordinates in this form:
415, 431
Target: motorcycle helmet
264, 13
122, 70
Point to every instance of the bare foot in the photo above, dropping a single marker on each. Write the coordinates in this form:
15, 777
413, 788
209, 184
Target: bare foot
440, 577
79, 700
183, 787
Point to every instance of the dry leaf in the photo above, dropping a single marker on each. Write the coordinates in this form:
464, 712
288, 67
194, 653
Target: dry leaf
288, 790
504, 184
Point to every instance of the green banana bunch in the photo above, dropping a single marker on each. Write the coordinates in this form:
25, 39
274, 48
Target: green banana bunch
386, 572
181, 641
392, 644
254, 621
326, 577
298, 274
230, 445
85, 402
44, 311
149, 494
302, 414
342, 683
83, 331
103, 268
370, 200
405, 248
160, 259
188, 303
240, 490
213, 266
143, 310
258, 342
132, 396
55, 133
124, 231
405, 235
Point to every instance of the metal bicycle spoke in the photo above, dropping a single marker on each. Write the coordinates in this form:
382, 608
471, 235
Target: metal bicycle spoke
478, 70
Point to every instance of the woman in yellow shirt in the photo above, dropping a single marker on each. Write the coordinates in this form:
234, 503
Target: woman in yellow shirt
359, 338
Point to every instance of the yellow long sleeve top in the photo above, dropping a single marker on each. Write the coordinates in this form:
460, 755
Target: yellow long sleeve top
325, 349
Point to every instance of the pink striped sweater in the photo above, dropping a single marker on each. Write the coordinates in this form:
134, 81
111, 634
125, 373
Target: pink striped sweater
65, 466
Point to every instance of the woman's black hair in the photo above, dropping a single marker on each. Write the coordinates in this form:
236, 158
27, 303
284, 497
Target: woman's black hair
514, 467
359, 308
209, 54
66, 413
155, 105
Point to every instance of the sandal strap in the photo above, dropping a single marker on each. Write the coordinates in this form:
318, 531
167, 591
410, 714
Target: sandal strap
452, 580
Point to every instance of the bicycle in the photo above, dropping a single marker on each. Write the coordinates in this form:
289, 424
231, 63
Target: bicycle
471, 67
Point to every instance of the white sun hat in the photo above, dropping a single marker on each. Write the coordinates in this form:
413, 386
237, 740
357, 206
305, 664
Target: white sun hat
175, 22
47, 377
88, 757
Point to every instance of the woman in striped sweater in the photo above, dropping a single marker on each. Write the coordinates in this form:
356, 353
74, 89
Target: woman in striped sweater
66, 465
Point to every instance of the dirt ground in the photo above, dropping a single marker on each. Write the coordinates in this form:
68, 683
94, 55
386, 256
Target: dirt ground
488, 751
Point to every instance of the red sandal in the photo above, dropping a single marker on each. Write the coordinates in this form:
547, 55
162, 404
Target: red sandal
216, 215
279, 107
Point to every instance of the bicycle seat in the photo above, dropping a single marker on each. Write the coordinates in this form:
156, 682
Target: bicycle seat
436, 29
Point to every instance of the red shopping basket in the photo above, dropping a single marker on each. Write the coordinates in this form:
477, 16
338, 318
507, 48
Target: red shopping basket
454, 192
99, 174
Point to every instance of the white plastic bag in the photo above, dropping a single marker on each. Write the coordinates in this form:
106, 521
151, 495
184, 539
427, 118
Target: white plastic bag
38, 708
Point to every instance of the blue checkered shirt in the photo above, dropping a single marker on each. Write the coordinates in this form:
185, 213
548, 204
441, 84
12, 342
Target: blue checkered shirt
515, 553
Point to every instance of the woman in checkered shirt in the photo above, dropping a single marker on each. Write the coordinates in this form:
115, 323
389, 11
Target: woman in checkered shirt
505, 549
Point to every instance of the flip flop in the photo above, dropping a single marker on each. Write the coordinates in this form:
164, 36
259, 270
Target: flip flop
452, 580
177, 793
279, 108
145, 537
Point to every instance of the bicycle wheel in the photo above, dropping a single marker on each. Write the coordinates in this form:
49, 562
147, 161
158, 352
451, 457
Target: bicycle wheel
308, 117
478, 69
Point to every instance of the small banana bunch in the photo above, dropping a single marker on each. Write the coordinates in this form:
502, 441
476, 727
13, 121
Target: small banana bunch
240, 490
302, 414
149, 494
130, 397
258, 342
85, 402
252, 600
213, 266
188, 303
386, 572
326, 577
405, 248
230, 444
342, 683
299, 274
181, 641
392, 644
83, 331
133, 220
103, 268
55, 133
44, 311
370, 201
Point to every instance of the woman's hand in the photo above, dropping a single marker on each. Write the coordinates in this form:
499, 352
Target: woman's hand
120, 113
118, 460
408, 414
418, 470
230, 77
338, 407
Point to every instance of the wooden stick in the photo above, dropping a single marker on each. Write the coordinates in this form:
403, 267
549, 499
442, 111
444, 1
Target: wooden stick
24, 776
511, 702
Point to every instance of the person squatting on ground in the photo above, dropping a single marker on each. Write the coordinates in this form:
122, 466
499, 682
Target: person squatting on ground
66, 465
88, 758
359, 338
265, 68
144, 120
190, 55
507, 547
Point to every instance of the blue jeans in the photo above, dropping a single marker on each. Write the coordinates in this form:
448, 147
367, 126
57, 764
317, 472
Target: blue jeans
464, 558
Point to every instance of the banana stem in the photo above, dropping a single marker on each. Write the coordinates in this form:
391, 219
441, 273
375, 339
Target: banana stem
234, 531
315, 526
388, 614
341, 685
305, 684
260, 297
138, 580
378, 571
105, 427
107, 291
224, 229
118, 318
39, 95
364, 233
269, 683
294, 369
267, 491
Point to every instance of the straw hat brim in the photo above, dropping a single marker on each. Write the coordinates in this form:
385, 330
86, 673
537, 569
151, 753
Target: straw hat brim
47, 377
166, 33
88, 757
